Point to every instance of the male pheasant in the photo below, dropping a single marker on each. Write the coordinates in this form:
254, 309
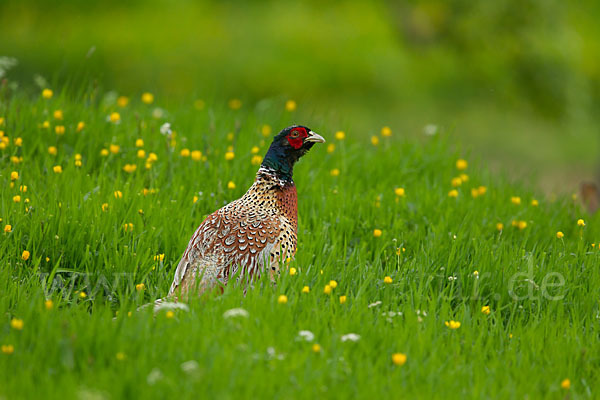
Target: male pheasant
254, 233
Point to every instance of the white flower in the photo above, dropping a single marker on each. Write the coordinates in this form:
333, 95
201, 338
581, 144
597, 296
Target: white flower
378, 302
158, 113
306, 335
430, 129
353, 337
272, 354
189, 366
165, 128
154, 376
235, 312
452, 278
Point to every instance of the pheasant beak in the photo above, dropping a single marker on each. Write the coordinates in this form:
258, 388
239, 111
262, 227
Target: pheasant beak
314, 137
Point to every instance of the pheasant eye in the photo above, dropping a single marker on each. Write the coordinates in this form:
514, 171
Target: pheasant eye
294, 134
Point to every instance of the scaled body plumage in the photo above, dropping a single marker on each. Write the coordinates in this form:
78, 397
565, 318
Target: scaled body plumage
254, 233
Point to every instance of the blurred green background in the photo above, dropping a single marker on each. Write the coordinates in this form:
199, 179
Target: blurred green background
517, 82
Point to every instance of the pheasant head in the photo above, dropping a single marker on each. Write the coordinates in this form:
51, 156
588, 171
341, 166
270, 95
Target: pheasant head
288, 146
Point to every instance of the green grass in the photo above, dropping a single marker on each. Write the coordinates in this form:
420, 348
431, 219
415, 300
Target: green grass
525, 347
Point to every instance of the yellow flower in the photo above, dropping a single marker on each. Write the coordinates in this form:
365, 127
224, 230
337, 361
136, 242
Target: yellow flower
104, 152
255, 150
229, 155
305, 289
453, 193
49, 304
399, 192
7, 228
476, 273
1, 122
141, 153
387, 279
147, 98
566, 384
58, 114
140, 286
139, 143
333, 284
46, 124
560, 235
230, 185
335, 172
114, 148
486, 310
159, 257
515, 200
128, 227
386, 131
474, 192
234, 104
499, 226
331, 147
327, 289
57, 169
129, 168
78, 163
18, 142
230, 137
118, 194
456, 182
152, 157
16, 323
25, 255
14, 176
282, 299
122, 101
194, 199
196, 155
482, 190
452, 324
290, 105
535, 203
120, 356
17, 199
316, 348
265, 130
293, 271
114, 117
170, 314
522, 225
59, 129
186, 153
52, 150
374, 140
377, 232
343, 299
580, 222
400, 250
399, 358
8, 349
340, 135
256, 160
464, 177
199, 104
461, 164
23, 188
47, 93
105, 207
80, 126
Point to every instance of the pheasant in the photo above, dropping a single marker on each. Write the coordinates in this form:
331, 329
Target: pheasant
254, 233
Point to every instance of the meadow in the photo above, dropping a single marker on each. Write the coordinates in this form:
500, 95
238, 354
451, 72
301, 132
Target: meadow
419, 274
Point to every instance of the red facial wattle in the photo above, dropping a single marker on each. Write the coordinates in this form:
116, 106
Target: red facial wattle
296, 137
